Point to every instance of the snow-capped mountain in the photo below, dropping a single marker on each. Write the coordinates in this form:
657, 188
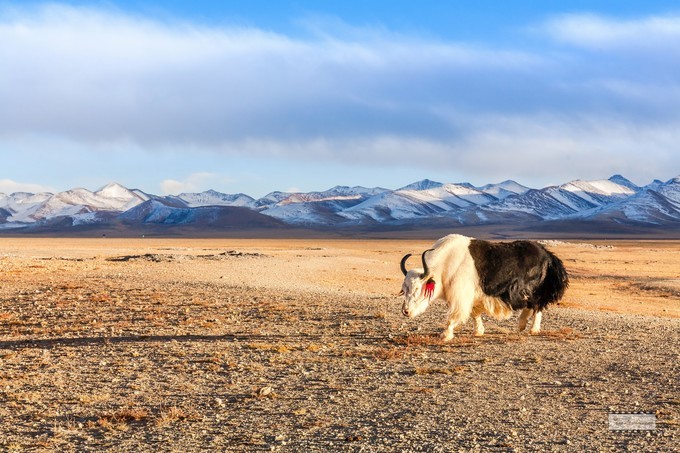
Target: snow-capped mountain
29, 208
158, 210
351, 195
572, 198
271, 199
21, 205
337, 193
422, 203
620, 180
657, 203
322, 208
214, 198
420, 199
504, 189
173, 211
425, 184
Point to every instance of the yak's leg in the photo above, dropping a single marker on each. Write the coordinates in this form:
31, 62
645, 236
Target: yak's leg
460, 300
447, 334
536, 327
479, 326
477, 310
524, 318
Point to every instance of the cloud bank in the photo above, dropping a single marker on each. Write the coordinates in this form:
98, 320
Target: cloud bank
8, 186
192, 183
592, 95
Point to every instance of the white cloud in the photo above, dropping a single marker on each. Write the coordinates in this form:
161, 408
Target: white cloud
195, 182
551, 149
8, 186
598, 32
174, 187
537, 149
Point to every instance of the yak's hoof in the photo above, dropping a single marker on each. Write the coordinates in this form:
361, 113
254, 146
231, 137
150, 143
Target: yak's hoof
446, 338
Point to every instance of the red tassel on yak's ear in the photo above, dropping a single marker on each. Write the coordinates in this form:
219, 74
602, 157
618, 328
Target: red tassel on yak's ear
428, 289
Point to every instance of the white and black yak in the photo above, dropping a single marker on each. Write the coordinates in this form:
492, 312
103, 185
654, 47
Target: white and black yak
476, 277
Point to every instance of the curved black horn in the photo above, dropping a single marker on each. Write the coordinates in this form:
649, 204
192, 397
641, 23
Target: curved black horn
426, 270
403, 263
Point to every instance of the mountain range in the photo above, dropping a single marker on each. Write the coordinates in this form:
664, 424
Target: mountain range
423, 204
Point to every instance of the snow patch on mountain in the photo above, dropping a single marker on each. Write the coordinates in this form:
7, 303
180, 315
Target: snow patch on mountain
504, 189
214, 198
87, 218
337, 193
601, 188
620, 180
425, 184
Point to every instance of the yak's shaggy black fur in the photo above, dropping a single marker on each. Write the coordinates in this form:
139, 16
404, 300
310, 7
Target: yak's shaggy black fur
523, 274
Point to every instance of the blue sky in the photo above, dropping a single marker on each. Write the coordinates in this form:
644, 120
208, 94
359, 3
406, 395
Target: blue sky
257, 96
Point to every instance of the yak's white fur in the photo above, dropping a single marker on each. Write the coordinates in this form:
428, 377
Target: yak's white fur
456, 280
536, 326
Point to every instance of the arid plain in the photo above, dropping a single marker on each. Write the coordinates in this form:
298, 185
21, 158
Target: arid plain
244, 344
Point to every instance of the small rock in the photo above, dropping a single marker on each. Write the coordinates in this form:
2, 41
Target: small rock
265, 391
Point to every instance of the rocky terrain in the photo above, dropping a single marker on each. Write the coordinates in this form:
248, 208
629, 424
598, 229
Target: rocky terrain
189, 345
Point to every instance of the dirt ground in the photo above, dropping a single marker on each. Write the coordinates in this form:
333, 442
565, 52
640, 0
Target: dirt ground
299, 345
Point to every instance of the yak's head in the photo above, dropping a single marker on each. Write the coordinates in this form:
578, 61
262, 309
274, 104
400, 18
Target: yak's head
418, 288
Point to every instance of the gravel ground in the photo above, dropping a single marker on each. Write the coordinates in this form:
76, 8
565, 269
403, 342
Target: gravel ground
126, 355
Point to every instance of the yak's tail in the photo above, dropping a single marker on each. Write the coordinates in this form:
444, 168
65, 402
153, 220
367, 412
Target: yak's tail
554, 284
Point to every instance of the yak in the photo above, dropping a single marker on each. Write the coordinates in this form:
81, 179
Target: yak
475, 277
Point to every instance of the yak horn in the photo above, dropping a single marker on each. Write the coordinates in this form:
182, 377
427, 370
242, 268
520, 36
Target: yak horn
426, 270
403, 263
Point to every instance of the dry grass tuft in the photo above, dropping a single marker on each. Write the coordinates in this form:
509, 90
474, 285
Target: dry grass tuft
279, 348
4, 317
463, 340
120, 420
100, 298
172, 414
565, 333
380, 315
388, 353
417, 340
94, 398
